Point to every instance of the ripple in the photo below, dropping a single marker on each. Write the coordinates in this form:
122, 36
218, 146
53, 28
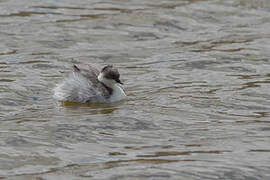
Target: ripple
196, 73
175, 153
28, 13
260, 150
7, 80
23, 160
8, 53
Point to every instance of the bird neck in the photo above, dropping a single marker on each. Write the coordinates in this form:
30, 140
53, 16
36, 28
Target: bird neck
108, 83
118, 93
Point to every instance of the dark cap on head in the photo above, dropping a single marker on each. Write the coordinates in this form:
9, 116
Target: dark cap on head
111, 73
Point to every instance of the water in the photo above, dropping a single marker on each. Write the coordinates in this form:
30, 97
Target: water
196, 73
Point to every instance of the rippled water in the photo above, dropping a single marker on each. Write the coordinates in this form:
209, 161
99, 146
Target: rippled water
196, 73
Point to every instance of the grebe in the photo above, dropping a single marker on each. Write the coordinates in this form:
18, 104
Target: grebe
88, 84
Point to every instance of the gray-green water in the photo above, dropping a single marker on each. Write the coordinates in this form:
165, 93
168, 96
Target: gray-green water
196, 73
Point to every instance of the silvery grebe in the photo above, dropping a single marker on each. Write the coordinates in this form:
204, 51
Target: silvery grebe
88, 84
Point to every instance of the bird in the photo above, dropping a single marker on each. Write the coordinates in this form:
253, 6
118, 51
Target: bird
88, 84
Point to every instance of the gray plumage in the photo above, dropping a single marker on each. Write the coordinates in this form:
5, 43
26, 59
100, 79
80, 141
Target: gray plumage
82, 85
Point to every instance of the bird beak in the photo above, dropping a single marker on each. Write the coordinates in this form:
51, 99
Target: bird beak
118, 81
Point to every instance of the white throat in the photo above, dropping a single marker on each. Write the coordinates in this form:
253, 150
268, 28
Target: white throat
118, 93
107, 82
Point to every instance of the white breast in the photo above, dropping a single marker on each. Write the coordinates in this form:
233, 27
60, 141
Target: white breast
118, 94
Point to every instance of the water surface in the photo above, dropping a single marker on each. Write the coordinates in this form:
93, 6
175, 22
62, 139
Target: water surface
196, 73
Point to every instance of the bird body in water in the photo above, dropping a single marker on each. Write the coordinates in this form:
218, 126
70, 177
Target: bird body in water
88, 84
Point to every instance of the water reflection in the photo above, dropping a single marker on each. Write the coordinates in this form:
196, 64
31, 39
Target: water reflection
93, 108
